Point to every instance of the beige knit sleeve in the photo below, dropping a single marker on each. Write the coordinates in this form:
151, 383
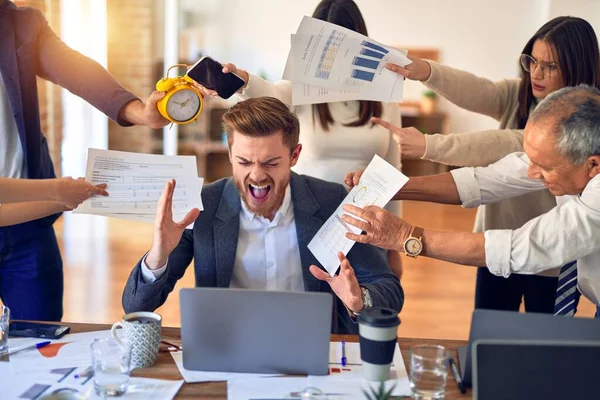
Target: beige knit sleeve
258, 87
473, 149
471, 92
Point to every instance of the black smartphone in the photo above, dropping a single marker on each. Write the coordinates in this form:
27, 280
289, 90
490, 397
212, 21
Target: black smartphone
209, 73
37, 330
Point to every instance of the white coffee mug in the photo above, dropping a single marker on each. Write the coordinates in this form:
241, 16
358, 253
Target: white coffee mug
142, 334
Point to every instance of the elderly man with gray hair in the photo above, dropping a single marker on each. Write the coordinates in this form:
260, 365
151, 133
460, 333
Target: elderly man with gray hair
562, 153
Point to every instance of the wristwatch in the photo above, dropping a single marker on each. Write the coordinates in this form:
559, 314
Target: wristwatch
413, 245
366, 297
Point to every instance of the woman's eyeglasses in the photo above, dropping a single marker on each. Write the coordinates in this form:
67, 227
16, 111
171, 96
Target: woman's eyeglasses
530, 64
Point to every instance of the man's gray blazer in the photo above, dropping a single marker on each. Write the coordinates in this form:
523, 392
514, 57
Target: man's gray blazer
213, 244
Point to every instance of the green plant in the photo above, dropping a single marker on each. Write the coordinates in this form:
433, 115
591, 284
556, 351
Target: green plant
430, 94
380, 393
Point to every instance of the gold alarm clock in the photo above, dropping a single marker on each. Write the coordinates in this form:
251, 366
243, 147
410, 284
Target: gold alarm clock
182, 103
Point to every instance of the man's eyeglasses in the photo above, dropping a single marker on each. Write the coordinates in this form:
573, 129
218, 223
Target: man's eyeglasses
530, 64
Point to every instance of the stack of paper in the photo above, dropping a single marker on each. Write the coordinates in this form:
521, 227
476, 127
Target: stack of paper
136, 182
330, 63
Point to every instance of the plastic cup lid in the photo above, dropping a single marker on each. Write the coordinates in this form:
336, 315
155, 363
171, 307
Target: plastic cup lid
379, 317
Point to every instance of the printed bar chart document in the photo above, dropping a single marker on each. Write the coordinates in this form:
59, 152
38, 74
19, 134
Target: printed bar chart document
348, 64
136, 181
378, 184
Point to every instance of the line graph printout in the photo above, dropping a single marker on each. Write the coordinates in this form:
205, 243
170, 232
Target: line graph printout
332, 57
378, 184
136, 181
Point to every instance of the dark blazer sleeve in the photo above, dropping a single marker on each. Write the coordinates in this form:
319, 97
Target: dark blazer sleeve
79, 74
373, 272
141, 296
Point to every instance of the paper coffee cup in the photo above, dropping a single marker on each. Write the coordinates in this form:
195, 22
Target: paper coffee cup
377, 328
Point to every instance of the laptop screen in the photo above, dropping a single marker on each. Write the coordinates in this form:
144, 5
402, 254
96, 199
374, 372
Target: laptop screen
521, 369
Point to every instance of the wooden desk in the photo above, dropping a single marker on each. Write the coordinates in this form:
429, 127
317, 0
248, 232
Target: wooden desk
165, 367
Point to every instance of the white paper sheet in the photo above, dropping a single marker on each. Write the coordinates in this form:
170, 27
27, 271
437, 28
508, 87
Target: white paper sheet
378, 184
70, 351
352, 353
210, 376
328, 56
266, 388
136, 181
349, 382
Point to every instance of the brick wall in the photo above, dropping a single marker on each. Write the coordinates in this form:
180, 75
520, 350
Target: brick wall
131, 60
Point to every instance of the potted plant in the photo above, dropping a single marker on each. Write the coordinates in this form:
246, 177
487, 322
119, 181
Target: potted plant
428, 102
380, 393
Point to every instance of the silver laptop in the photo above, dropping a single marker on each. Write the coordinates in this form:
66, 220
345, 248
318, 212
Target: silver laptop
236, 330
493, 324
533, 369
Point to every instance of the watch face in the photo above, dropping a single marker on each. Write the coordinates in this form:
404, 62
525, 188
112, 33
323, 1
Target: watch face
183, 105
413, 246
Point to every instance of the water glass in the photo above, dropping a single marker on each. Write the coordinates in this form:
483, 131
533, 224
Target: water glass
110, 364
4, 320
428, 372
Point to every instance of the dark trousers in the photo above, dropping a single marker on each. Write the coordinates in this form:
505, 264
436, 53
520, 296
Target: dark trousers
498, 293
31, 272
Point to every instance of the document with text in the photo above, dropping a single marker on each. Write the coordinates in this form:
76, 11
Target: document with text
378, 184
136, 181
348, 64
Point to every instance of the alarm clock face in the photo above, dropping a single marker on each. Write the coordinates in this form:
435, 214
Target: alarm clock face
183, 105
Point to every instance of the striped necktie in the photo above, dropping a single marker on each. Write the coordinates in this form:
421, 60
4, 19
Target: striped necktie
567, 295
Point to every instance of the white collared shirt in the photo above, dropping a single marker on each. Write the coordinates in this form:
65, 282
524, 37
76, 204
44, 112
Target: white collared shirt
570, 231
267, 256
12, 161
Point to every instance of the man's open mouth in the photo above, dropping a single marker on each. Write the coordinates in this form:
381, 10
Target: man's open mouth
259, 192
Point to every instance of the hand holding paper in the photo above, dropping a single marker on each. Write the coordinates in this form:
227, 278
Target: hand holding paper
377, 185
381, 228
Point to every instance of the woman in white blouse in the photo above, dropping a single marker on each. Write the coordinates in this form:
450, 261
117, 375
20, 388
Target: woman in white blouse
339, 137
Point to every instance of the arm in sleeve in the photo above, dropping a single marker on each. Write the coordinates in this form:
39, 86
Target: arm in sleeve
258, 87
471, 92
79, 74
504, 179
473, 149
392, 114
373, 272
565, 233
140, 295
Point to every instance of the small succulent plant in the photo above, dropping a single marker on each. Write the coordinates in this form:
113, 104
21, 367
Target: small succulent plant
380, 393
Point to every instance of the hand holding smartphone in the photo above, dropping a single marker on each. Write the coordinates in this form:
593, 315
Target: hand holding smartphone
209, 73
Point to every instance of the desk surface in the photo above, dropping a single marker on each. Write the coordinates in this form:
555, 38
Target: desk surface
165, 367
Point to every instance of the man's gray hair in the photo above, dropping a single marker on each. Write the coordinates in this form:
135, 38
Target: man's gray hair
574, 113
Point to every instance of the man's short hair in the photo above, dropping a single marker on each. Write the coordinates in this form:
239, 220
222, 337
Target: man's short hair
574, 116
262, 116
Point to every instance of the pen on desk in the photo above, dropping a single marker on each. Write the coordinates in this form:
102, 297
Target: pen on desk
457, 377
343, 353
84, 374
28, 347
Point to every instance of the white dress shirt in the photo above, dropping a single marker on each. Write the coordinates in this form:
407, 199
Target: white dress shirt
267, 256
12, 163
568, 232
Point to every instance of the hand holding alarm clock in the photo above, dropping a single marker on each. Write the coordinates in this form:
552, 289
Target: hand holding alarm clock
182, 103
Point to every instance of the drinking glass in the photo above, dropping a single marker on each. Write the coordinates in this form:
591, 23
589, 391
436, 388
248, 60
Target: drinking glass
4, 320
428, 372
111, 366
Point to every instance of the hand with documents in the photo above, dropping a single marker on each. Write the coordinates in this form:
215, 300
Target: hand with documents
135, 183
329, 63
378, 184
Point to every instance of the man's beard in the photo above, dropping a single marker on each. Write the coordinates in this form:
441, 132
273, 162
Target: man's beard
268, 208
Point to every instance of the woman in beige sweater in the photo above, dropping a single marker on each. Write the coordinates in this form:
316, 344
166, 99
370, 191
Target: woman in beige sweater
563, 52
